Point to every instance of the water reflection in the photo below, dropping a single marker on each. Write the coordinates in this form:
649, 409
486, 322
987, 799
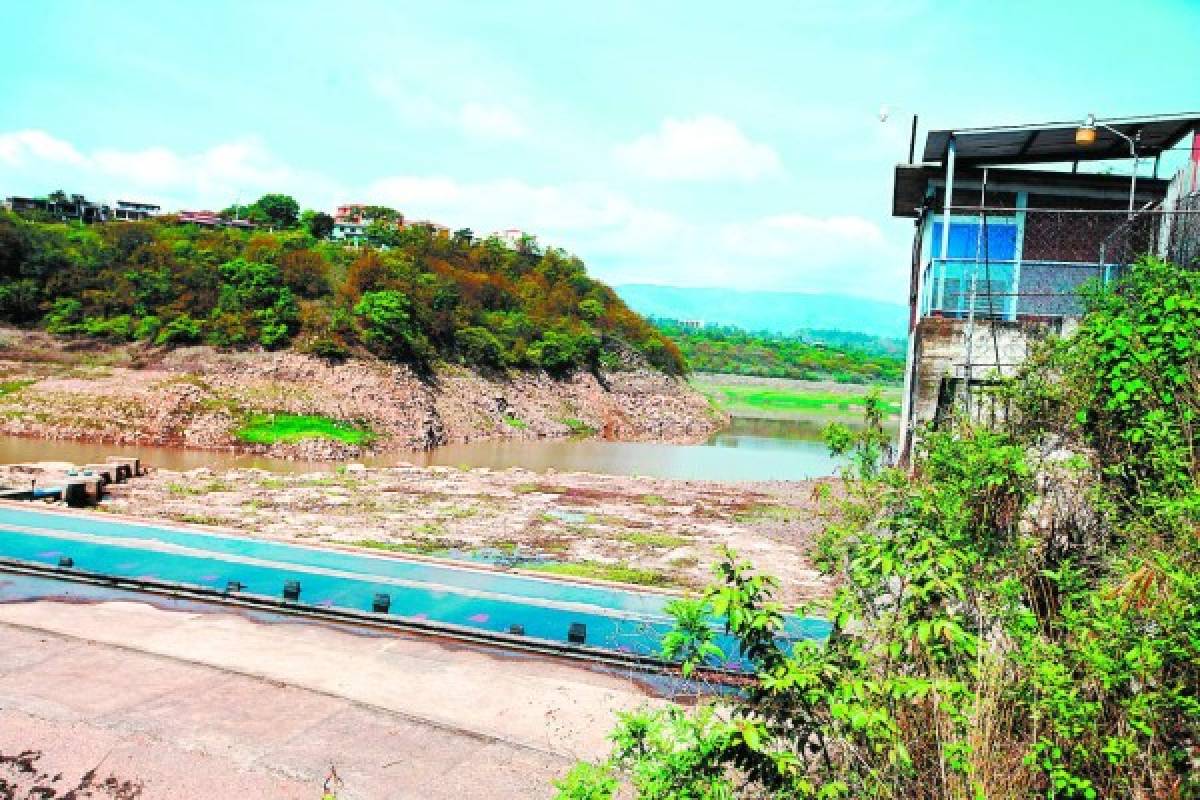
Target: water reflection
748, 450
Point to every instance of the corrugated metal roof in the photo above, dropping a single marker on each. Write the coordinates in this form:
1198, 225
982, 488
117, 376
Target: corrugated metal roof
1055, 141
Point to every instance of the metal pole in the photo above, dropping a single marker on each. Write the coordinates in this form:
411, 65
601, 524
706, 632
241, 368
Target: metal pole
1133, 140
1133, 181
950, 149
912, 141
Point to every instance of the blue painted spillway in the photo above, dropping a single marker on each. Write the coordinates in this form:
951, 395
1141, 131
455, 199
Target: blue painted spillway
618, 619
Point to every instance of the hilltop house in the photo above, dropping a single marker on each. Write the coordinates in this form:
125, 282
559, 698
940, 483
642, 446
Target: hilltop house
68, 208
511, 237
133, 210
211, 219
350, 223
1024, 230
77, 208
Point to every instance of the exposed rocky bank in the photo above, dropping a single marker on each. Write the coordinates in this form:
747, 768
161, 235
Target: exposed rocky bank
198, 397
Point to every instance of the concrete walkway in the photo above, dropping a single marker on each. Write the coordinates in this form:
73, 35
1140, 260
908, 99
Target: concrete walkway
181, 704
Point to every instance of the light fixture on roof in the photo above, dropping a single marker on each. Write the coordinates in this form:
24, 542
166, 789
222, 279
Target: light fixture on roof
1085, 134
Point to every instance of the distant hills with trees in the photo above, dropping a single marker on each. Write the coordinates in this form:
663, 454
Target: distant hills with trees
842, 356
774, 312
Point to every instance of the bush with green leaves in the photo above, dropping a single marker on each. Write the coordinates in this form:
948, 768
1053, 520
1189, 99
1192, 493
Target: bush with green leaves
181, 330
480, 347
387, 323
1018, 616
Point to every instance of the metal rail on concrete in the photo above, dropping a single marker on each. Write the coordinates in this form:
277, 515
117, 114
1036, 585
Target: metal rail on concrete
515, 642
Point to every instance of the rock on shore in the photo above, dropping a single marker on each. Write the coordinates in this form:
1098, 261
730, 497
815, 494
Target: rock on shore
198, 397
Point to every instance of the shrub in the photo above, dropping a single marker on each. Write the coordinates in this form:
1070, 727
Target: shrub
305, 272
147, 328
555, 352
387, 324
19, 300
65, 316
480, 347
181, 330
119, 328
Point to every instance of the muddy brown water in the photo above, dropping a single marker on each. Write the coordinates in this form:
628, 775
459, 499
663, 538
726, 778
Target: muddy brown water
748, 450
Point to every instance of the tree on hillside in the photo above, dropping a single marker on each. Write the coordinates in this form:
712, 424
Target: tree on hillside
305, 272
387, 213
387, 323
382, 232
280, 210
317, 223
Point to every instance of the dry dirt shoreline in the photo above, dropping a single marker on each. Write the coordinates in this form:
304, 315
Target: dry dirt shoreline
653, 532
55, 388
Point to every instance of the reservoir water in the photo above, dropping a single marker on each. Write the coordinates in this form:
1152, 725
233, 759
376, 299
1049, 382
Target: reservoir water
748, 450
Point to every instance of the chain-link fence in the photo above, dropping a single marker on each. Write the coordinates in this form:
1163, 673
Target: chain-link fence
1034, 264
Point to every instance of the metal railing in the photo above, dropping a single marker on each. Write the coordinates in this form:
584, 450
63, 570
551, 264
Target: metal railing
1046, 258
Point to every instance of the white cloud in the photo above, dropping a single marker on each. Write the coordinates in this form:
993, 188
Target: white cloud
18, 147
703, 148
215, 176
490, 122
785, 235
553, 212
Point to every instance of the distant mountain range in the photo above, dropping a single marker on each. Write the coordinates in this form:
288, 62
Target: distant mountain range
777, 312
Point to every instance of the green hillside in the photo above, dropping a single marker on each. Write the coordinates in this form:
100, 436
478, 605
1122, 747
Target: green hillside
419, 297
840, 356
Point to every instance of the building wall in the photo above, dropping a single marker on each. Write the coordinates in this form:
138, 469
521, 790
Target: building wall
940, 351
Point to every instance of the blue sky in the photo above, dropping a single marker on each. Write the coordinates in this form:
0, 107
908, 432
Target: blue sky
689, 143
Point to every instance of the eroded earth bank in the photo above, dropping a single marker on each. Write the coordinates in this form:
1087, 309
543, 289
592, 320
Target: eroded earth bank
198, 397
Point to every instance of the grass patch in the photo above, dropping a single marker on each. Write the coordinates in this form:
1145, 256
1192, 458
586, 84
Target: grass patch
766, 512
424, 548
792, 400
596, 570
578, 427
461, 513
653, 500
12, 387
201, 519
514, 422
190, 490
288, 428
652, 539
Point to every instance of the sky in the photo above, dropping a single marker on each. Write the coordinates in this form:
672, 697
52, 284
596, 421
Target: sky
685, 143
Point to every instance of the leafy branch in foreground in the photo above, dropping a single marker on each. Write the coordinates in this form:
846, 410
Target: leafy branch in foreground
1019, 617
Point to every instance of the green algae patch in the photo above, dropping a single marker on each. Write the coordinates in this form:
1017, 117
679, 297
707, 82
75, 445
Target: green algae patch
595, 570
289, 428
